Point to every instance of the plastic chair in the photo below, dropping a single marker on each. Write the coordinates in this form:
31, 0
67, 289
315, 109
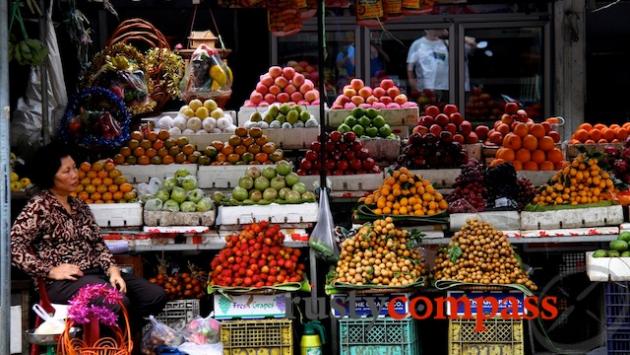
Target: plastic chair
44, 301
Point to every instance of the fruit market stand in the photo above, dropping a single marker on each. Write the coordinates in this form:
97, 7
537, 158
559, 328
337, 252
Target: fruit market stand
230, 202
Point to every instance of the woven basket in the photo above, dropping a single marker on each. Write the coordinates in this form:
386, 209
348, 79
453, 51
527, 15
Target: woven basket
121, 344
140, 32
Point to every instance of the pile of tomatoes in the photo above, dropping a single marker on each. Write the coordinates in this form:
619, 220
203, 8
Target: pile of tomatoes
256, 257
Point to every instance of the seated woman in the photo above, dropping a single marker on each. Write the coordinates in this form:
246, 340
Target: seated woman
56, 238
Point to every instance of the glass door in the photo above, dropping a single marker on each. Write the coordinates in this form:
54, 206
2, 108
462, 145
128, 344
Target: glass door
502, 63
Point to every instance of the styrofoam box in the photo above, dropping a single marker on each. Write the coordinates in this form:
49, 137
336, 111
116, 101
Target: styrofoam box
360, 182
502, 220
573, 218
439, 178
395, 117
173, 114
166, 218
245, 112
607, 269
300, 213
292, 138
142, 173
117, 214
538, 178
222, 176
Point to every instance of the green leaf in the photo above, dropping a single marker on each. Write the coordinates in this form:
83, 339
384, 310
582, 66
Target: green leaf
454, 253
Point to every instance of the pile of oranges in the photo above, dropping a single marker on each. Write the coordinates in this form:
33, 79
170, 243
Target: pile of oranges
101, 182
581, 182
406, 194
529, 147
600, 133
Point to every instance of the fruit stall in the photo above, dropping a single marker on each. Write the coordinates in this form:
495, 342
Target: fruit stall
311, 216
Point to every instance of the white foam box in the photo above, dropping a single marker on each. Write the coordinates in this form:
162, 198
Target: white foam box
201, 141
359, 182
382, 149
245, 112
292, 138
273, 213
251, 306
142, 173
502, 220
165, 218
473, 151
16, 330
538, 178
117, 214
439, 178
173, 114
222, 176
607, 269
573, 218
394, 117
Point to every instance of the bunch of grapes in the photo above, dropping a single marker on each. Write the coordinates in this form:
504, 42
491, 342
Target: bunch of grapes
470, 191
526, 193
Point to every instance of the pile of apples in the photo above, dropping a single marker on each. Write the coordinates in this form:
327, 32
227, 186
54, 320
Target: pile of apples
305, 68
386, 96
345, 155
449, 125
282, 85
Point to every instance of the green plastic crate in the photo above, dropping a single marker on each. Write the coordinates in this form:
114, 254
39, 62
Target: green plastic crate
384, 336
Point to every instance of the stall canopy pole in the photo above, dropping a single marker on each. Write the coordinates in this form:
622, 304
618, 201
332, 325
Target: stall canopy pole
5, 195
321, 54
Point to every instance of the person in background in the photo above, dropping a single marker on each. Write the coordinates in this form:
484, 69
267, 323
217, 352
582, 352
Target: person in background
427, 64
55, 238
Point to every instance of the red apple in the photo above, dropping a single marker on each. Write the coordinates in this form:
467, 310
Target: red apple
297, 97
432, 111
288, 72
349, 92
458, 138
298, 80
274, 89
442, 119
281, 82
311, 96
275, 71
435, 130
511, 108
266, 80
283, 97
261, 88
401, 99
393, 92
386, 100
290, 89
387, 83
450, 109
356, 84
465, 128
451, 127
482, 132
270, 98
378, 92
456, 117
365, 92
306, 87
472, 138
256, 97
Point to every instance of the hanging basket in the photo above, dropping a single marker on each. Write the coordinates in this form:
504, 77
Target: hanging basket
143, 34
119, 344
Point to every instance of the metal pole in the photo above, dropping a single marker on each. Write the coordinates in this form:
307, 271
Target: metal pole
321, 48
43, 75
5, 195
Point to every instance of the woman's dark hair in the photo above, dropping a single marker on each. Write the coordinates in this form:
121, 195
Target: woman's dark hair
46, 163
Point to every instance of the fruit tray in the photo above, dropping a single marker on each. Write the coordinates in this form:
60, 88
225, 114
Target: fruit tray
394, 117
607, 269
502, 220
440, 178
358, 182
274, 213
265, 290
567, 217
364, 214
142, 173
222, 176
382, 149
117, 214
165, 219
245, 112
573, 150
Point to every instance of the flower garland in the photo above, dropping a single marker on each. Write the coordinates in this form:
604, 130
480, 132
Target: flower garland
91, 302
164, 68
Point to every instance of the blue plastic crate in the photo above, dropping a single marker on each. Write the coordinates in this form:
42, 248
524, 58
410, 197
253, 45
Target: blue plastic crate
618, 342
617, 300
383, 336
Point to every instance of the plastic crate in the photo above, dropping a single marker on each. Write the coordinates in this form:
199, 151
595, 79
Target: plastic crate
572, 263
618, 342
257, 337
617, 302
178, 313
500, 337
378, 337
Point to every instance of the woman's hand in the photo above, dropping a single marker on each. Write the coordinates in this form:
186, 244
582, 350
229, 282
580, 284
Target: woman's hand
65, 272
116, 280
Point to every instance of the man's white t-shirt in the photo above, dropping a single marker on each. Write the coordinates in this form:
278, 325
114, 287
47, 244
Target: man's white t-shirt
430, 60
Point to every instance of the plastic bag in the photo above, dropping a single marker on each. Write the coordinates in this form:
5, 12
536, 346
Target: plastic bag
147, 190
205, 349
203, 330
159, 334
207, 76
322, 238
